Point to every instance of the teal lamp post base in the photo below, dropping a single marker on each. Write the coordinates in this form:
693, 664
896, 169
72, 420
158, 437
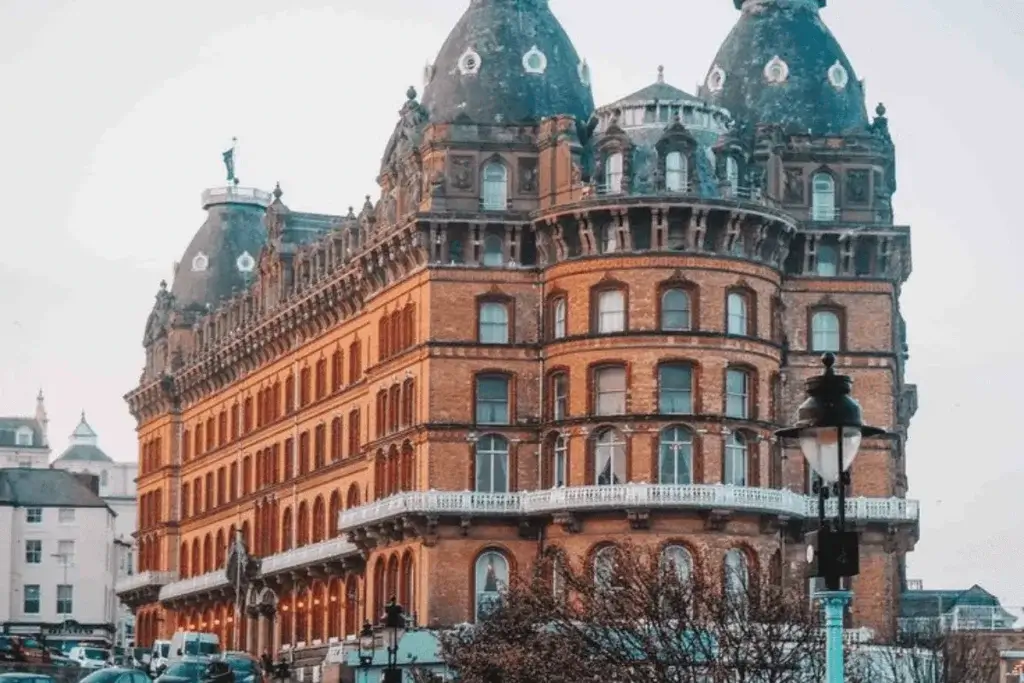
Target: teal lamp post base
834, 604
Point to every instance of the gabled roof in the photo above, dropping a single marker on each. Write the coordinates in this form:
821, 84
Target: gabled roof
934, 603
9, 427
37, 487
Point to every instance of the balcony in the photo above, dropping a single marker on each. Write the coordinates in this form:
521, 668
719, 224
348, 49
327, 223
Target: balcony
232, 194
781, 502
147, 579
967, 618
298, 558
197, 584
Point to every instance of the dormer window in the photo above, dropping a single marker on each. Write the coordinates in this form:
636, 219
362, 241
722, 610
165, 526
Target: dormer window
23, 437
495, 190
732, 174
613, 172
823, 197
675, 172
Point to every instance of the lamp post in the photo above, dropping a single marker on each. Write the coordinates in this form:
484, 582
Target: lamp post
829, 428
394, 624
366, 646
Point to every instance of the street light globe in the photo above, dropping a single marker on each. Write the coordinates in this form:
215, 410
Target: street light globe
828, 412
820, 446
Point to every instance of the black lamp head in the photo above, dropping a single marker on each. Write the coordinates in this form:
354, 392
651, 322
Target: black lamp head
829, 404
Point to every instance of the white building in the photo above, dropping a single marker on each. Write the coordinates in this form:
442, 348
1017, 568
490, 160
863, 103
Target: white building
57, 555
117, 489
23, 440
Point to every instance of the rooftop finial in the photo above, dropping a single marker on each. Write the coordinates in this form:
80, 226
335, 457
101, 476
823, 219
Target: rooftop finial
229, 162
661, 73
829, 360
411, 93
277, 190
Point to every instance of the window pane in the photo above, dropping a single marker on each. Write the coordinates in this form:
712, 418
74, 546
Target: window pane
610, 459
735, 460
736, 394
825, 331
675, 310
610, 386
613, 173
675, 384
493, 323
559, 389
558, 466
737, 309
611, 308
823, 198
675, 456
492, 465
495, 193
492, 400
827, 261
491, 577
493, 251
559, 321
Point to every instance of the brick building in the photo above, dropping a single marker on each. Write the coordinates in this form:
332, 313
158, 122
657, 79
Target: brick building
556, 326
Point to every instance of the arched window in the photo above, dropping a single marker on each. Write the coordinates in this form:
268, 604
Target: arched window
286, 529
610, 458
827, 261
493, 323
613, 172
319, 520
492, 464
735, 464
675, 456
677, 560
823, 197
491, 577
604, 567
738, 314
333, 508
736, 578
302, 527
611, 311
732, 174
495, 190
825, 335
559, 462
558, 318
675, 310
494, 251
492, 400
675, 389
407, 584
675, 172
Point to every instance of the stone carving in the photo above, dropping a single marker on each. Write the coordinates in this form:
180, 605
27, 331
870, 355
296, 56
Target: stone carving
527, 175
793, 188
462, 172
156, 325
408, 131
857, 183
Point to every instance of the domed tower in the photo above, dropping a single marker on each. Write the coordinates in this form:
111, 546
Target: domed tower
799, 106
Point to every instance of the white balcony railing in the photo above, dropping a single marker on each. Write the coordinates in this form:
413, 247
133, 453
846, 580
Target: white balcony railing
967, 618
625, 496
232, 194
298, 557
203, 582
133, 582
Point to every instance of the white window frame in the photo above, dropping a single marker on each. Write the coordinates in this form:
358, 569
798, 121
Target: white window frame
666, 311
733, 398
611, 311
609, 399
823, 197
738, 314
66, 515
826, 331
676, 172
495, 186
494, 322
489, 450
613, 171
558, 316
675, 443
737, 451
33, 551
610, 448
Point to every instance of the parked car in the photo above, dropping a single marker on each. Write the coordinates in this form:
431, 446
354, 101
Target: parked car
8, 649
27, 650
89, 657
22, 677
185, 671
245, 667
116, 674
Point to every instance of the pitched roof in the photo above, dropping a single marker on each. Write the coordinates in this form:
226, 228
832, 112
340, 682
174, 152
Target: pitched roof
9, 427
37, 487
83, 445
933, 603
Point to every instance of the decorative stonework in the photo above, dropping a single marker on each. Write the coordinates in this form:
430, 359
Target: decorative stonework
245, 263
583, 69
838, 77
534, 61
469, 62
716, 79
200, 262
776, 71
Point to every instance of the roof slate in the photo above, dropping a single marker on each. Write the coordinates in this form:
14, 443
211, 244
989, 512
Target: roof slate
36, 487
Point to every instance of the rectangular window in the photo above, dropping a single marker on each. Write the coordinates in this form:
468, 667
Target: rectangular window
610, 391
66, 515
611, 311
492, 400
33, 515
65, 553
737, 394
675, 390
32, 599
33, 552
560, 396
65, 599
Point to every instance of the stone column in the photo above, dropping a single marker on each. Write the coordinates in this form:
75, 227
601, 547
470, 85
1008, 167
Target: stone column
261, 635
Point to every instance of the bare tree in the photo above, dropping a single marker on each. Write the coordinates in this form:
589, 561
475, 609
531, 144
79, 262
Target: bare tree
931, 653
639, 618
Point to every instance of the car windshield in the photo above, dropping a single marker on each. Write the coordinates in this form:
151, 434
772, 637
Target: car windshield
165, 649
241, 665
200, 647
189, 670
103, 676
95, 654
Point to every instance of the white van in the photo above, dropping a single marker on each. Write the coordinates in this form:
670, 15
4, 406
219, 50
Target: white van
158, 656
90, 658
193, 645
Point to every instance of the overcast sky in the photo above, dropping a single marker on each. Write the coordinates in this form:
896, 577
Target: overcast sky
115, 112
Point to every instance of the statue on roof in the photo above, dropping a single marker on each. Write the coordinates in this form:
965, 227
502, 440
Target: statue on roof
229, 161
160, 316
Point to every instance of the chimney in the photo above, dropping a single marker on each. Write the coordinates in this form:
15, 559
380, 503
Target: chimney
89, 481
41, 417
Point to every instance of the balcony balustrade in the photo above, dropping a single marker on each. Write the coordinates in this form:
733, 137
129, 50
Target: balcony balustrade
134, 582
197, 584
781, 502
330, 549
967, 618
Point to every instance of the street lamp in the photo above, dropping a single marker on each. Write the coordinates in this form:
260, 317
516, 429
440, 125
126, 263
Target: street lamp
366, 646
394, 624
829, 428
